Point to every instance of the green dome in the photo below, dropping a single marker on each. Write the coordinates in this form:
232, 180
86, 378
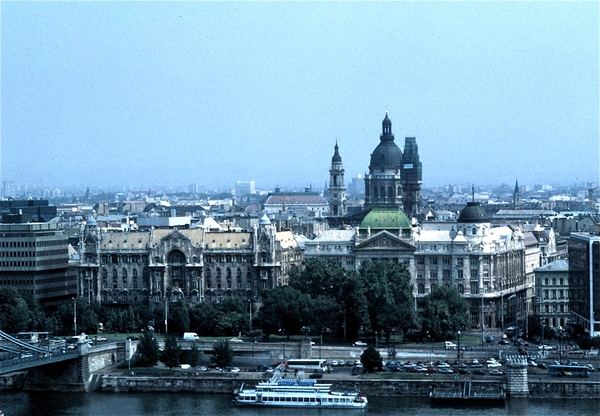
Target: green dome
385, 218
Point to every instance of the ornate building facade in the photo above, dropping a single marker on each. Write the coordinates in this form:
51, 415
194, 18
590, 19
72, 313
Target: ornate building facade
195, 265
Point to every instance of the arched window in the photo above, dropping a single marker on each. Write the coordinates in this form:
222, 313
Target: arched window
104, 273
474, 231
114, 273
382, 192
433, 286
375, 192
421, 288
135, 273
562, 281
124, 273
391, 192
218, 273
554, 281
546, 281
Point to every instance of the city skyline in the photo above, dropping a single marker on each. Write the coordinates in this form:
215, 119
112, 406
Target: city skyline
211, 93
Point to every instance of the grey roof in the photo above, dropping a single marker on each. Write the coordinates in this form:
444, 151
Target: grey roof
561, 265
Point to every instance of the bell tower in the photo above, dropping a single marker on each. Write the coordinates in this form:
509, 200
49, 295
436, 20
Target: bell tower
337, 186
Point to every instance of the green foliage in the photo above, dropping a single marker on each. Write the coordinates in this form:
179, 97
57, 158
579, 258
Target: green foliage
444, 313
284, 308
371, 359
179, 318
222, 354
170, 355
193, 355
15, 316
147, 350
204, 319
388, 291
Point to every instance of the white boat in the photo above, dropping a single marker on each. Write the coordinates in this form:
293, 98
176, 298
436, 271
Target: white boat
279, 392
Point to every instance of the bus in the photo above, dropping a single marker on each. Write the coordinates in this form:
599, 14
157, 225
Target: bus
308, 365
560, 370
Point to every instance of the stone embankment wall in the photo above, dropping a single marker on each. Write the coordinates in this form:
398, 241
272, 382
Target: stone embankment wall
227, 383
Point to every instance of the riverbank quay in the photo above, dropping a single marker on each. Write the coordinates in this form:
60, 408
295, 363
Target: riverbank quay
368, 384
376, 384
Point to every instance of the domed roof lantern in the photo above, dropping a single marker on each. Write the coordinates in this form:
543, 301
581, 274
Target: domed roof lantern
91, 221
473, 213
264, 220
336, 155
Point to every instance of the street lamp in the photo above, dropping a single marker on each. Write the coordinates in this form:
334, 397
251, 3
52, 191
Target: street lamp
250, 303
75, 314
509, 298
458, 347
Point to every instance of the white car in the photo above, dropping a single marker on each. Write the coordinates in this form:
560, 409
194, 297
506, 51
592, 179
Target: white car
235, 340
494, 364
334, 363
360, 344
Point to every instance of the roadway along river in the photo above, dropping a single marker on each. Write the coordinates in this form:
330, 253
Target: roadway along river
177, 404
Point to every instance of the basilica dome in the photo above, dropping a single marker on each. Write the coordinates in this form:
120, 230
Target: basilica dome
473, 213
387, 155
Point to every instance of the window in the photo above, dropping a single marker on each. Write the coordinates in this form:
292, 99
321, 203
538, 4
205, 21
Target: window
546, 281
421, 288
461, 289
561, 281
433, 274
474, 231
473, 274
433, 260
420, 260
473, 261
474, 288
446, 274
561, 294
446, 260
459, 262
545, 294
459, 274
433, 287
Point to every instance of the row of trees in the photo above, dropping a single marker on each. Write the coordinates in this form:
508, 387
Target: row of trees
378, 299
322, 298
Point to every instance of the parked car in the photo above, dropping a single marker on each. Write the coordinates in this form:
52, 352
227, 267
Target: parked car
360, 344
478, 372
494, 364
334, 363
497, 372
445, 370
503, 341
350, 363
235, 340
462, 370
476, 364
489, 338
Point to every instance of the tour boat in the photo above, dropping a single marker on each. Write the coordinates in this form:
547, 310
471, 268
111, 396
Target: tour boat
279, 392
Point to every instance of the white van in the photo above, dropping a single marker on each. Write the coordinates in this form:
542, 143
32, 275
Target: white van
449, 345
190, 336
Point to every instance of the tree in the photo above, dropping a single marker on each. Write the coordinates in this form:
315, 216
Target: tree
371, 359
388, 291
148, 350
193, 355
204, 319
15, 316
179, 319
222, 354
444, 313
284, 308
170, 355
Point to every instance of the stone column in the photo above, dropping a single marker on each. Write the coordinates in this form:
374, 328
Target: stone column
516, 376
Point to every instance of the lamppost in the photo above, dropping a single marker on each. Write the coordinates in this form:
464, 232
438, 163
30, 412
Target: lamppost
509, 298
75, 314
344, 323
250, 303
458, 347
166, 314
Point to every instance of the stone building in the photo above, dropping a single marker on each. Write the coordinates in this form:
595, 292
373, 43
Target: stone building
195, 265
552, 294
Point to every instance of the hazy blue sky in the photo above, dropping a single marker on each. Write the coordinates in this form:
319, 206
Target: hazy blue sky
146, 93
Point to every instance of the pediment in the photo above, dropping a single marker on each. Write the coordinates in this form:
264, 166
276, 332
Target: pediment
385, 240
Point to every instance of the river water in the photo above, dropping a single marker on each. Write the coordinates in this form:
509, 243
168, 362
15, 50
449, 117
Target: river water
179, 404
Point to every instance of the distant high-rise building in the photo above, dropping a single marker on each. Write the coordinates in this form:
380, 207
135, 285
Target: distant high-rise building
337, 186
194, 188
8, 189
245, 188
